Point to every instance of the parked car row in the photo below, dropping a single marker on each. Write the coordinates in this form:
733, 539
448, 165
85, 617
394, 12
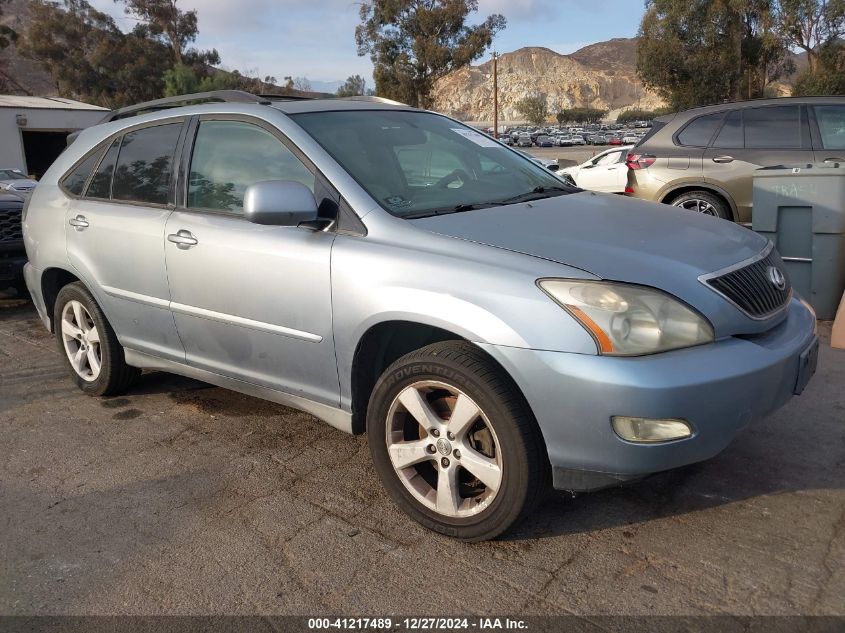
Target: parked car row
594, 134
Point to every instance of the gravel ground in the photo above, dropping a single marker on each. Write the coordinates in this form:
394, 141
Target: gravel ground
180, 498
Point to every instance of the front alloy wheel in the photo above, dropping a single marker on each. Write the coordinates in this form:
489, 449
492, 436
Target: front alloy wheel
455, 443
443, 449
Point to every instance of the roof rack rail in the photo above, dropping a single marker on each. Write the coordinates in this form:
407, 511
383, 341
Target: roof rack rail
286, 97
225, 96
372, 99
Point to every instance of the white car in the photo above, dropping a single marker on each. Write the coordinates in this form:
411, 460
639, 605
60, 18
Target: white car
605, 172
630, 139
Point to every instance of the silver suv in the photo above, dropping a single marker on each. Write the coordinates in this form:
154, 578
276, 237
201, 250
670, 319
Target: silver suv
394, 271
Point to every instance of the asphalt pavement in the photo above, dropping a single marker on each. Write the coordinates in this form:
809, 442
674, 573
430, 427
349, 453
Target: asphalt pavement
181, 498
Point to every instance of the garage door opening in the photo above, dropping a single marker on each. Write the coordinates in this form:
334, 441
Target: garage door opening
41, 149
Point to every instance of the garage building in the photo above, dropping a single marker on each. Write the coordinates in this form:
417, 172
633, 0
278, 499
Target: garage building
33, 130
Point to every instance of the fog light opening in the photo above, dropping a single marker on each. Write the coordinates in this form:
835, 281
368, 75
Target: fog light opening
650, 431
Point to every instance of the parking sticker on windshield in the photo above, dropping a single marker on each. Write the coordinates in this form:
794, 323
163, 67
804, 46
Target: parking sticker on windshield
476, 137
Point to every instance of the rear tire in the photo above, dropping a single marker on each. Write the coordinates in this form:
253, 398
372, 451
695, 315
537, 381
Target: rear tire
703, 202
88, 344
477, 464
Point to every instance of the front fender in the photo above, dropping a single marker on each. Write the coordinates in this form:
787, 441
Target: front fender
480, 293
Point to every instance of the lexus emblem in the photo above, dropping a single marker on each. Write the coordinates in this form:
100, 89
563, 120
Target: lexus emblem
777, 278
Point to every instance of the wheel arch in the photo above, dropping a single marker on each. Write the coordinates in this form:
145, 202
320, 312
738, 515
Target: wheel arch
387, 341
700, 186
52, 281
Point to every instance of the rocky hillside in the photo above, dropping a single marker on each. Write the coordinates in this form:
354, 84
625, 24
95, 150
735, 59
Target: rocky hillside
601, 75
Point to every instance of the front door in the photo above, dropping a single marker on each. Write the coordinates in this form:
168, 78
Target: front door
251, 302
115, 237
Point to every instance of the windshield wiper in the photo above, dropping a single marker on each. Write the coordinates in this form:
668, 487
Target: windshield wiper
537, 193
458, 208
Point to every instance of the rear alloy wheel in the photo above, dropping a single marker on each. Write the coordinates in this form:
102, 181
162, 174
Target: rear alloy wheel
454, 442
703, 202
89, 345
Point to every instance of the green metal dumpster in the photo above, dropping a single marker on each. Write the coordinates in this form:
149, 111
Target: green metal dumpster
802, 210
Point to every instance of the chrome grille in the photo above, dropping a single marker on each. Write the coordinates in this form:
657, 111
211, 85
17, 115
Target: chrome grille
750, 288
10, 226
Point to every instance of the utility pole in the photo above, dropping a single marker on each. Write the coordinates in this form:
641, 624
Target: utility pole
495, 96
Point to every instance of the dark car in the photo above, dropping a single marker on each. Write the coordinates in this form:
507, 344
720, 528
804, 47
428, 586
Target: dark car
545, 141
12, 254
704, 159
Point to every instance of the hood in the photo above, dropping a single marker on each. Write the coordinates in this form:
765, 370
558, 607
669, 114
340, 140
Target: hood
19, 184
619, 239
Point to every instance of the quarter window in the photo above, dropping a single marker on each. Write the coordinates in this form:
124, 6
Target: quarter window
229, 156
145, 164
75, 181
100, 186
774, 127
699, 132
831, 120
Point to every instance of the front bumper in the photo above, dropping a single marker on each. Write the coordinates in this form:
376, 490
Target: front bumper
11, 266
718, 388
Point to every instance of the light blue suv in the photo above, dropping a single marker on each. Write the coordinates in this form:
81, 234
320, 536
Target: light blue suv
390, 270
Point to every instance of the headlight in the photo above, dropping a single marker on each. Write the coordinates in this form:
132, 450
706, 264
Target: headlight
628, 320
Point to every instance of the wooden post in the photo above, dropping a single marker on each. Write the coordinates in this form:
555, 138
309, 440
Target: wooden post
495, 98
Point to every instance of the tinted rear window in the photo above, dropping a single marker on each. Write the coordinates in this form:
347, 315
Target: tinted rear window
75, 181
776, 127
699, 132
145, 164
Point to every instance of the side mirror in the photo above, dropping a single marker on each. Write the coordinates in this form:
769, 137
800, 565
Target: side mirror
553, 167
279, 203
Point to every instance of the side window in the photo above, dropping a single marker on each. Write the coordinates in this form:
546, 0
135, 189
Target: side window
145, 164
699, 132
831, 120
229, 156
100, 186
609, 159
774, 127
75, 181
730, 136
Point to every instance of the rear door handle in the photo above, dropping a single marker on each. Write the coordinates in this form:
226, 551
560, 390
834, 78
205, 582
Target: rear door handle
183, 239
79, 223
723, 159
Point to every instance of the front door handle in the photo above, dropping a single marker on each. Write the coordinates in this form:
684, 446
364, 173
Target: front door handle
723, 159
834, 160
183, 239
79, 223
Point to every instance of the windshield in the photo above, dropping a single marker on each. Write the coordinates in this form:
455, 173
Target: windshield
417, 164
11, 174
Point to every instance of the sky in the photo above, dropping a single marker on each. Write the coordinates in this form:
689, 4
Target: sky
315, 38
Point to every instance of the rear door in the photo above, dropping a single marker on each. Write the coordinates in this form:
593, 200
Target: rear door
606, 173
115, 235
751, 138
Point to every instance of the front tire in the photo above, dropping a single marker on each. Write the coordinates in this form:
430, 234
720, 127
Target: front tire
454, 442
88, 344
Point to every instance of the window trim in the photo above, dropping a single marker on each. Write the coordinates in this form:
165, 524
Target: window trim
676, 137
104, 146
188, 155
